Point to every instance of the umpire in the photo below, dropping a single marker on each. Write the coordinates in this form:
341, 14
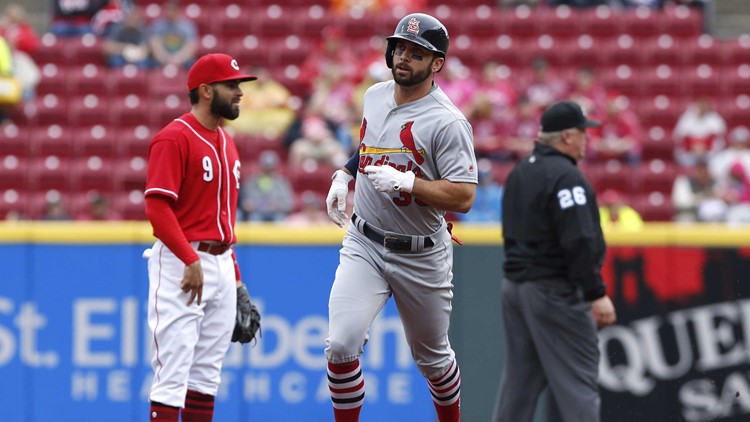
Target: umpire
553, 295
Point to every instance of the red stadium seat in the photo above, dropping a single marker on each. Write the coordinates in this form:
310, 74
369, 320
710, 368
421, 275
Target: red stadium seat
54, 80
248, 50
309, 22
49, 172
89, 110
561, 22
705, 49
54, 139
88, 79
623, 50
130, 174
13, 202
642, 23
656, 176
653, 206
13, 172
130, 204
132, 80
682, 21
658, 144
93, 173
274, 20
663, 49
13, 140
168, 80
706, 80
314, 180
51, 109
134, 142
234, 20
86, 49
97, 140
291, 49
130, 111
662, 80
660, 111
612, 175
602, 22
53, 49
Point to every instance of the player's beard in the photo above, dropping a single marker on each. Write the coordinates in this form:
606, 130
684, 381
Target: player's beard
416, 78
223, 108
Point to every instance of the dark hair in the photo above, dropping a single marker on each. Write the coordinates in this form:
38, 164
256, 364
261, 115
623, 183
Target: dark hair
193, 95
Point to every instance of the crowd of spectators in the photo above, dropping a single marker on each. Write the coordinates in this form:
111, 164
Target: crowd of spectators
320, 128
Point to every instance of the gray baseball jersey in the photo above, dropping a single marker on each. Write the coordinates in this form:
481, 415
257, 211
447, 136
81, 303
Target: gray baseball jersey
430, 137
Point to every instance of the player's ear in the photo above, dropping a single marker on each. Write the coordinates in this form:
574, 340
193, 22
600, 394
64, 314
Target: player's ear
206, 91
437, 64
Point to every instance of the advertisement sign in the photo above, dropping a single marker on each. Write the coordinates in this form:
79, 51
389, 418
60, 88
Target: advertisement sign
74, 342
681, 348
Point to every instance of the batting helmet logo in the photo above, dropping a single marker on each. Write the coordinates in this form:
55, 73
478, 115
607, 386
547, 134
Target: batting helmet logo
413, 26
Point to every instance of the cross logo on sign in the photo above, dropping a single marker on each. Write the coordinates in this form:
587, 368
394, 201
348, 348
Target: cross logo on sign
413, 26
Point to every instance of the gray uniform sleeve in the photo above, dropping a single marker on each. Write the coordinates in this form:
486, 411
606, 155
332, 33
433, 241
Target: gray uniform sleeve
454, 153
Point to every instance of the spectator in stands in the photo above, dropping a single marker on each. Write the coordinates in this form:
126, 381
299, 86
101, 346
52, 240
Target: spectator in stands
23, 42
10, 93
312, 210
487, 206
332, 99
619, 136
738, 150
368, 6
694, 196
456, 81
488, 131
54, 209
107, 18
316, 145
128, 42
267, 107
521, 129
651, 4
173, 38
333, 51
545, 86
71, 18
699, 133
267, 195
736, 194
615, 213
588, 91
99, 209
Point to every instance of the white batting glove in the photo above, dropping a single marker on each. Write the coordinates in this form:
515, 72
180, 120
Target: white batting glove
336, 199
388, 179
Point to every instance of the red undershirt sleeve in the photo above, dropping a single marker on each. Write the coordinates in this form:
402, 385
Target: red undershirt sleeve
167, 229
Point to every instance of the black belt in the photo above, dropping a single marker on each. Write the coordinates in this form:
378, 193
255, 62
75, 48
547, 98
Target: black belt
213, 248
392, 241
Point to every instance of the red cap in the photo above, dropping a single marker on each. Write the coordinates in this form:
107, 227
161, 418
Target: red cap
215, 67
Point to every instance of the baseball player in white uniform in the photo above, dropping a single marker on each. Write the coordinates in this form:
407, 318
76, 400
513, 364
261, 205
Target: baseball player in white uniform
415, 162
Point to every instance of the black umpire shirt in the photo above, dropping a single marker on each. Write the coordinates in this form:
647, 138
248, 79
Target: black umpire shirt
551, 223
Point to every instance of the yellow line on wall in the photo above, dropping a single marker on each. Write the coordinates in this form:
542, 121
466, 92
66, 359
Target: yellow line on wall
654, 234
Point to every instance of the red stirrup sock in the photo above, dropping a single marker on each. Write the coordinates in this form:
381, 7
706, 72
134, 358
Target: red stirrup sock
198, 407
162, 413
446, 394
347, 387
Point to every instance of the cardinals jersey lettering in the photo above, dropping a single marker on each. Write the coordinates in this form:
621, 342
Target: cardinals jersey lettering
430, 137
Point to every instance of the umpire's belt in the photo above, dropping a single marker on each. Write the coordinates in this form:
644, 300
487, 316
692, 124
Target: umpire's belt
213, 248
392, 241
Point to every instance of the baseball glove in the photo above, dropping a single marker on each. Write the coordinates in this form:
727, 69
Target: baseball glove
247, 323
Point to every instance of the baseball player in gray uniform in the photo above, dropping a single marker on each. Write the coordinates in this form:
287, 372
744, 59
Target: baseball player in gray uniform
415, 162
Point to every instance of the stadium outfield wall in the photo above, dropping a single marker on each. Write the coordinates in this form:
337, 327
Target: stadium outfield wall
74, 339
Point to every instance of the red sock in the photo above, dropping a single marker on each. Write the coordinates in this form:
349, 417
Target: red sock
198, 407
446, 394
347, 387
162, 413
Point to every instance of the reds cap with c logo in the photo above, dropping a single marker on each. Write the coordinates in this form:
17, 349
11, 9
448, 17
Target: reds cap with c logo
213, 68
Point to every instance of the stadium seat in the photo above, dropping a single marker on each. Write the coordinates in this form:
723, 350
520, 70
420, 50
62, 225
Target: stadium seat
54, 80
662, 80
657, 144
88, 79
705, 49
274, 20
706, 80
86, 49
663, 49
49, 172
130, 110
682, 21
54, 139
642, 22
13, 172
130, 174
735, 110
13, 140
655, 176
92, 173
602, 22
168, 80
611, 174
90, 109
309, 22
13, 201
100, 140
234, 20
130, 204
660, 111
134, 141
291, 49
248, 50
561, 22
201, 14
653, 206
623, 50
316, 180
132, 80
53, 49
51, 109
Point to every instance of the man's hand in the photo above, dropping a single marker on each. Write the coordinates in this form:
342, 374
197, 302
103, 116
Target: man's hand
192, 281
388, 179
604, 312
336, 199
